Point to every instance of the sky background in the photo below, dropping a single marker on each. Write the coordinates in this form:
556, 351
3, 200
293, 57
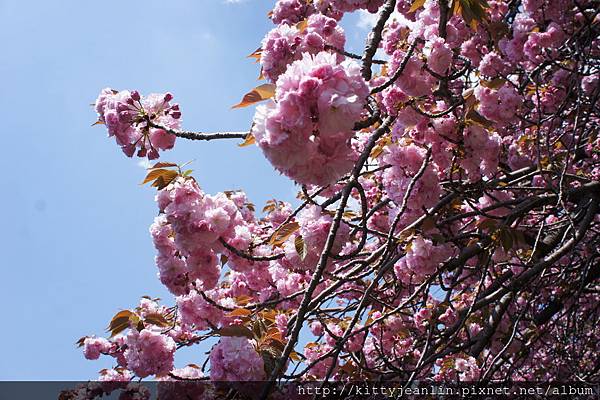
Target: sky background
75, 240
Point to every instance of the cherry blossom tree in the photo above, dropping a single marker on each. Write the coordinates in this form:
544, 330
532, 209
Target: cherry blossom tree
448, 218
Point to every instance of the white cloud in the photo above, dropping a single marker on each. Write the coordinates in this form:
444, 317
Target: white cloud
366, 20
234, 1
144, 163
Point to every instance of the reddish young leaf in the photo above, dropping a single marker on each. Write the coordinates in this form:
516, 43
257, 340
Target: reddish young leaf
259, 93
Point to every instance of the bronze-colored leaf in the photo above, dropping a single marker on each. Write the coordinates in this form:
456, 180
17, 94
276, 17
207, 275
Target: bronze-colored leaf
235, 330
506, 239
468, 93
270, 206
349, 368
406, 235
256, 54
153, 175
498, 30
165, 179
243, 300
163, 164
302, 25
269, 315
239, 312
487, 224
274, 334
120, 322
472, 11
495, 83
519, 239
474, 117
428, 224
248, 141
380, 146
157, 319
300, 245
283, 233
416, 5
259, 93
259, 328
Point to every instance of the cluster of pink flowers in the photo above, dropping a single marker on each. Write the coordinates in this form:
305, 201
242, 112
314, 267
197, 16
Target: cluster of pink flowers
492, 64
293, 11
353, 5
499, 105
93, 347
415, 80
466, 111
287, 43
187, 234
313, 353
440, 56
406, 160
482, 152
314, 228
305, 132
422, 259
128, 117
290, 12
149, 352
464, 368
236, 359
199, 314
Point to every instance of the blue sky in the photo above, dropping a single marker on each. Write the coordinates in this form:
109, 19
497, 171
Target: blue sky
75, 239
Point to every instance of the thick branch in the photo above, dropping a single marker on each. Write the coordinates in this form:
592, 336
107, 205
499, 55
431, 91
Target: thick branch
375, 38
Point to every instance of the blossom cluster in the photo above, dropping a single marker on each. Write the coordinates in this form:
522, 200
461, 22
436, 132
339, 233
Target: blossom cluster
305, 132
434, 237
287, 43
133, 120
